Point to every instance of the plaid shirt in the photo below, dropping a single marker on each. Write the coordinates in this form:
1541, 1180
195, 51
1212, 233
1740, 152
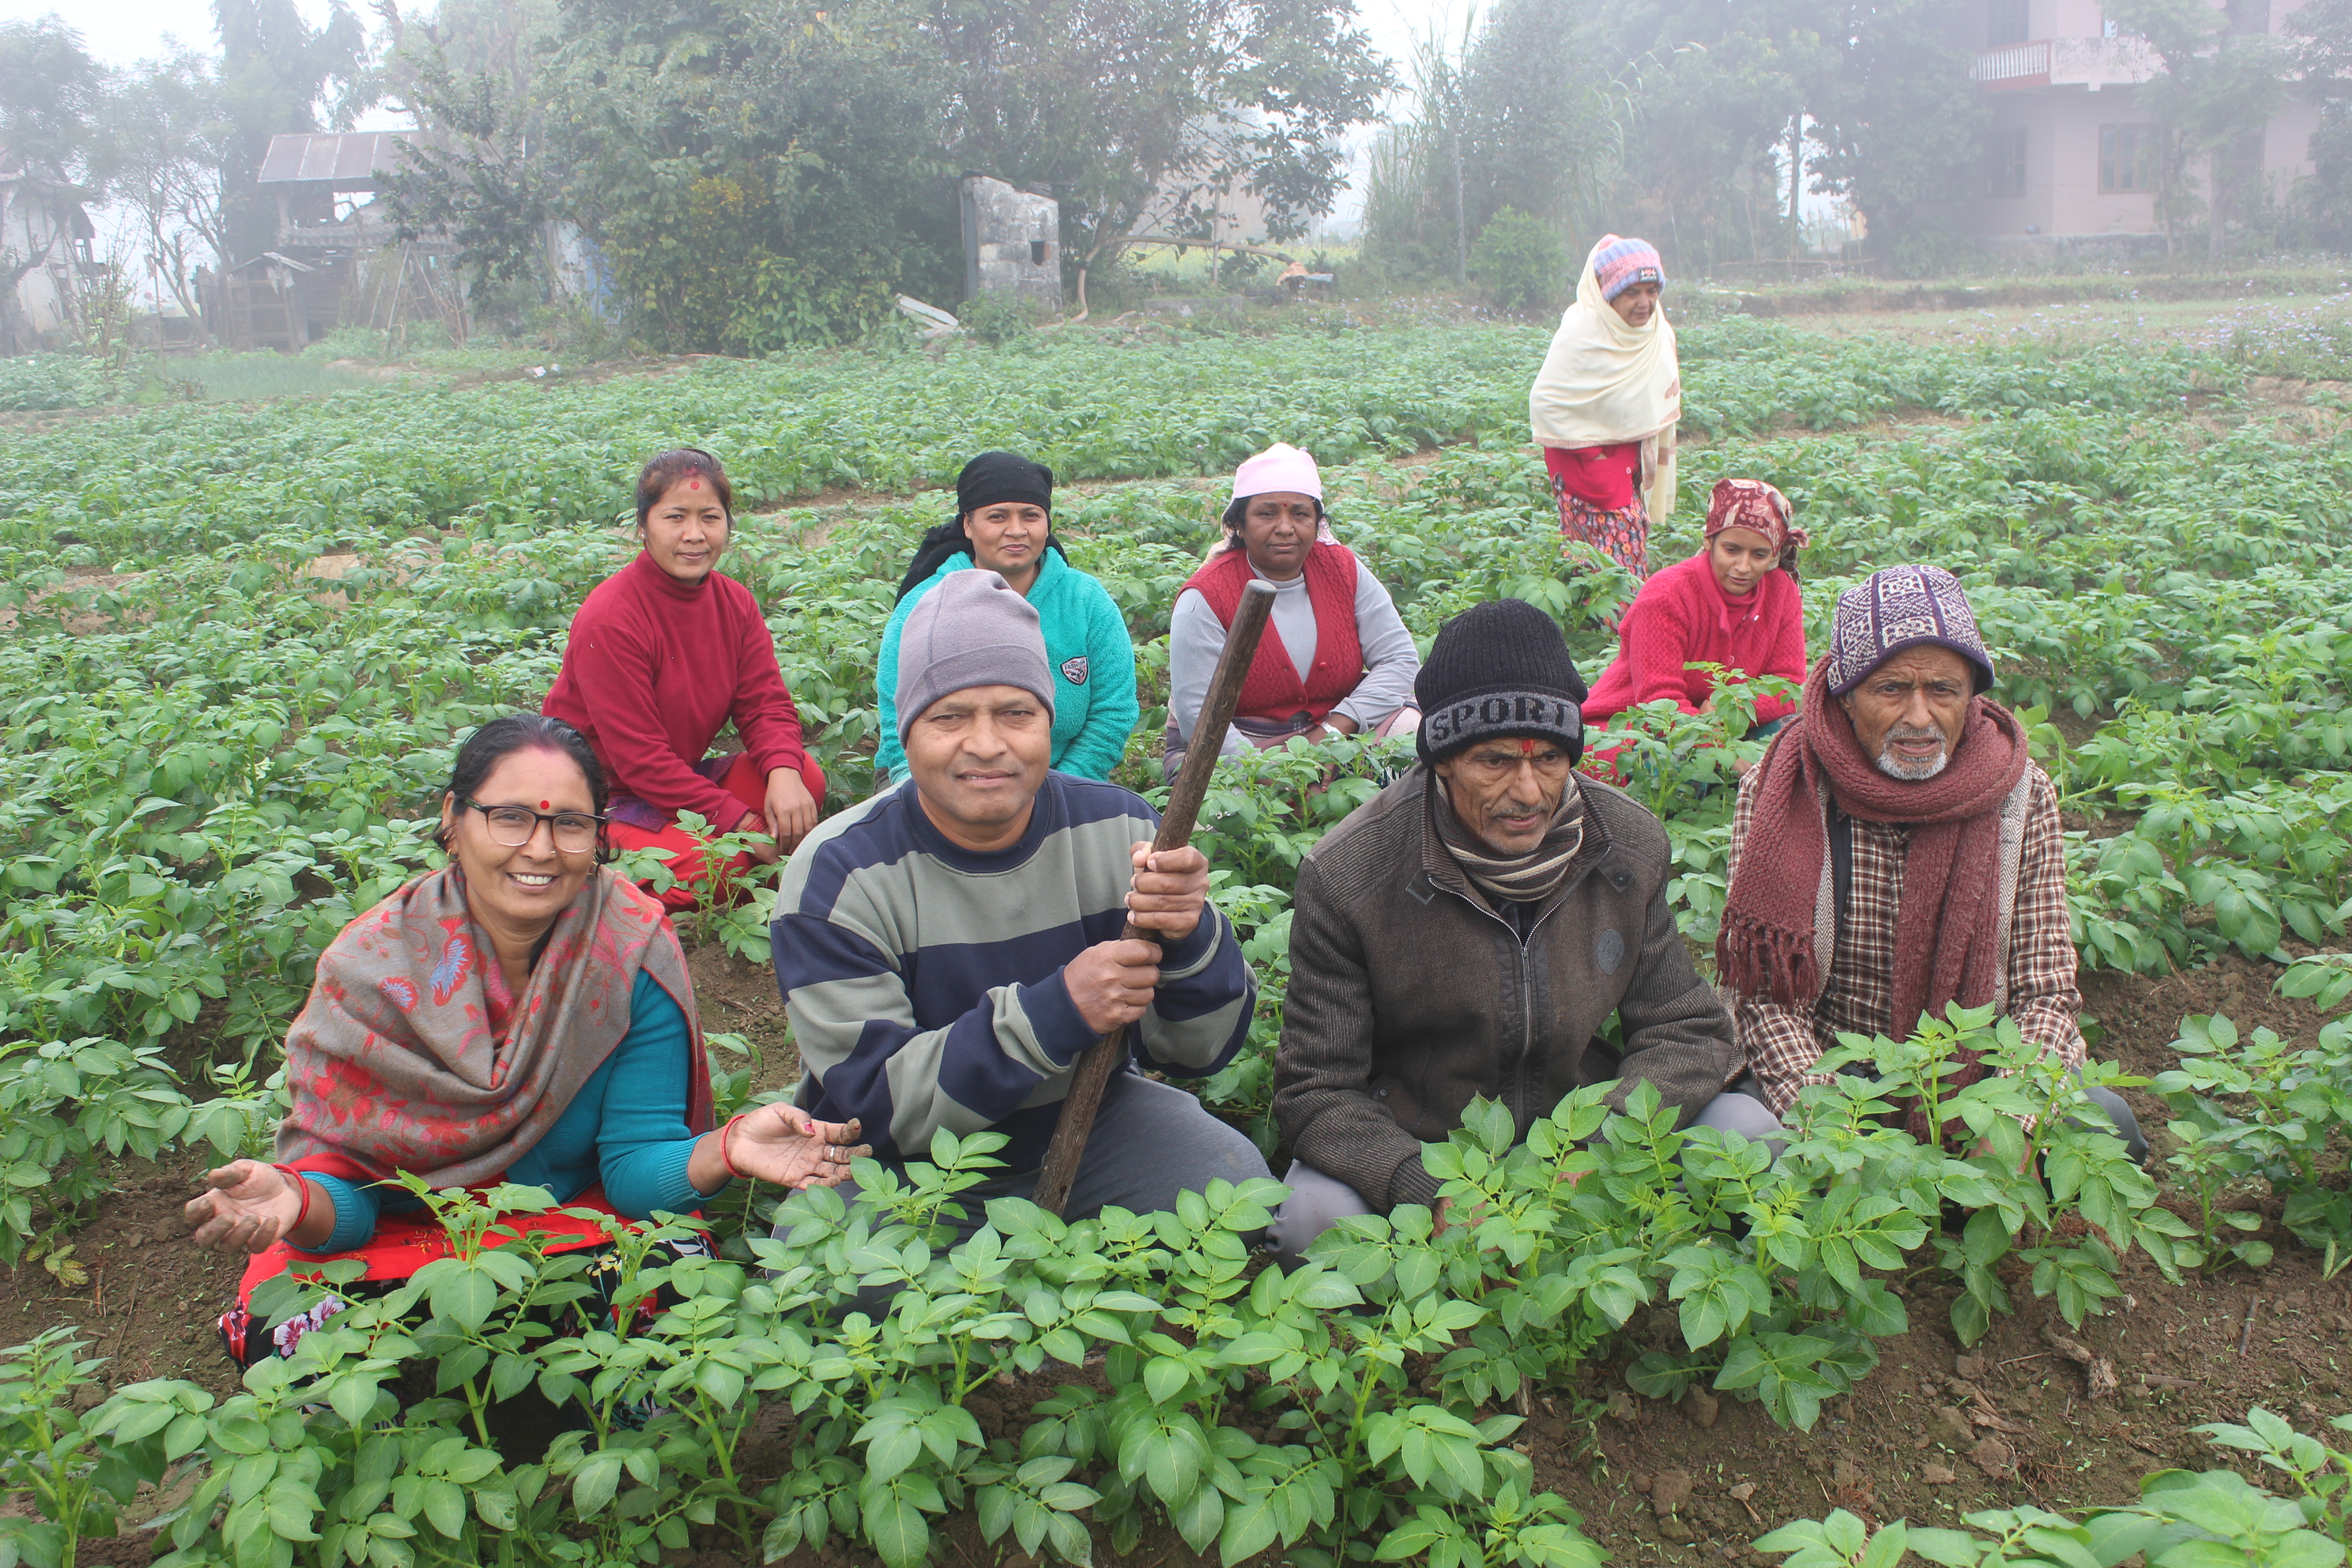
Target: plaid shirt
1782, 1041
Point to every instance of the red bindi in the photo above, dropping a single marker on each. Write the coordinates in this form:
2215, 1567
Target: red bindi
694, 484
542, 805
1526, 747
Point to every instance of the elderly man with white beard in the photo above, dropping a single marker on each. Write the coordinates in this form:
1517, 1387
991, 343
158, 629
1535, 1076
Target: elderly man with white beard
1895, 851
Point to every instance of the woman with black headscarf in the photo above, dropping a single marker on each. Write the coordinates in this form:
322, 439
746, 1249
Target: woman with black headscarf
1003, 523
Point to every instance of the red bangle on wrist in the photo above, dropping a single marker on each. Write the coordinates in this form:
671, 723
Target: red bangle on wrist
302, 1187
725, 1163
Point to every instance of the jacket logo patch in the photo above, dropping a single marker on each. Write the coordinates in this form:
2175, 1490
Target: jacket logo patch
1609, 952
1074, 670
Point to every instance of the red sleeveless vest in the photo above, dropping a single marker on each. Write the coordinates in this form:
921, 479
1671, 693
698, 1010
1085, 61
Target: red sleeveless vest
1273, 691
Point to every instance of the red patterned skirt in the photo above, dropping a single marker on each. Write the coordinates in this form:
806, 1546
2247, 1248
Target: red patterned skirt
1623, 535
405, 1243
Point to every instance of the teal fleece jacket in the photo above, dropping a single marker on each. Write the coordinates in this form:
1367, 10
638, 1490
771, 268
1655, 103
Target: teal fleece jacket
1086, 644
625, 1128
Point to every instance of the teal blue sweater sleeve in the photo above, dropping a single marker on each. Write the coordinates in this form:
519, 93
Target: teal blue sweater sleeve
356, 1210
1111, 709
643, 1143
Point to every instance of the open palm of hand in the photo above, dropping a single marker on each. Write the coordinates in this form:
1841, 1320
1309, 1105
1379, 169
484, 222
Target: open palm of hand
785, 1146
246, 1206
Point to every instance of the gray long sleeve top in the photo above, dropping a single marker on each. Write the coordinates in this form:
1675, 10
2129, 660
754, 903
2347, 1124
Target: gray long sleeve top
1195, 638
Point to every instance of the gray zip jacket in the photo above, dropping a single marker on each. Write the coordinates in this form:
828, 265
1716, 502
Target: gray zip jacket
1409, 997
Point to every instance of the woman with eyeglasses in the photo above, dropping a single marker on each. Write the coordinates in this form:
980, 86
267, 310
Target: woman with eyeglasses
524, 1014
662, 655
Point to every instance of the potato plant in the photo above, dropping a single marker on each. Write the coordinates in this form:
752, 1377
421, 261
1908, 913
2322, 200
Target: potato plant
242, 641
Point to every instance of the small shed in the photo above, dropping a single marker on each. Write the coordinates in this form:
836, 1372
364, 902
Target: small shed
338, 260
1012, 242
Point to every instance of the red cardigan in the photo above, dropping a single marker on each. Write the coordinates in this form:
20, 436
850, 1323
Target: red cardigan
1681, 615
1600, 476
654, 668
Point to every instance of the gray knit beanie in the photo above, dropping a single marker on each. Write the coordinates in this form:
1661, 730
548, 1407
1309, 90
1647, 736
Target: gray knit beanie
971, 630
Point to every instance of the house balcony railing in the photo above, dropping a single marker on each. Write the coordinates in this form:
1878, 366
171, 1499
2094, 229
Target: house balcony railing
364, 231
361, 233
2092, 63
2014, 65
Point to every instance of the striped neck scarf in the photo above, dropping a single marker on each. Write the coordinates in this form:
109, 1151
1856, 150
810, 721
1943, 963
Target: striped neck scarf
1513, 879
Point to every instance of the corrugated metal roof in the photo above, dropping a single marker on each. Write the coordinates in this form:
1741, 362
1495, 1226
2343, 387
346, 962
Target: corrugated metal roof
349, 161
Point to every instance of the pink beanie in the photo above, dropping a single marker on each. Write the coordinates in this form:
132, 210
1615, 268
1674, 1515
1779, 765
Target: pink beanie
1280, 466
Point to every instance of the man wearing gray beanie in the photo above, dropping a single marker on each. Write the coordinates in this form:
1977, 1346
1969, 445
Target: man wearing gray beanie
948, 950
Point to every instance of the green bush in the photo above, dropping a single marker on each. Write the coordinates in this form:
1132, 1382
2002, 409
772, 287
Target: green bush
1520, 263
999, 319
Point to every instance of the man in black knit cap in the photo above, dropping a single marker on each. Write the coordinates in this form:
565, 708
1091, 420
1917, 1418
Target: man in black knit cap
1469, 931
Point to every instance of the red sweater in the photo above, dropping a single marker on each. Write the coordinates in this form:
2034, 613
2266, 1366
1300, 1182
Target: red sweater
1602, 477
654, 669
1683, 616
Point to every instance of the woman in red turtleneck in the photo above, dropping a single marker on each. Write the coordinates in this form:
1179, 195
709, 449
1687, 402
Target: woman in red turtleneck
662, 655
1735, 603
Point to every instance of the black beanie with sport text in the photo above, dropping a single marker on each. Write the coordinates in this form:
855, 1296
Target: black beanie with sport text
1499, 670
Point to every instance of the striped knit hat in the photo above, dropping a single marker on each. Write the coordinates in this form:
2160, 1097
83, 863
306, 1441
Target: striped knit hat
1902, 606
1622, 263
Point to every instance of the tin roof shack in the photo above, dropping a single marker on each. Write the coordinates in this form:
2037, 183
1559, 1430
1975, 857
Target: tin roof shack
1012, 242
337, 261
45, 256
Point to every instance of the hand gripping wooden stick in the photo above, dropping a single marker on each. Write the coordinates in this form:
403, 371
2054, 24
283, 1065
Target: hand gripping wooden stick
1108, 1054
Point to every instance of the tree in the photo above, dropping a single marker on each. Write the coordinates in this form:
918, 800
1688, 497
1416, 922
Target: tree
50, 91
753, 177
1716, 84
170, 141
274, 78
468, 174
1902, 125
1416, 207
1520, 117
1123, 106
2325, 58
1541, 122
2219, 86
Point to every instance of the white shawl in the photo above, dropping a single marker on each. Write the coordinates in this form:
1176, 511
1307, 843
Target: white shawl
1604, 382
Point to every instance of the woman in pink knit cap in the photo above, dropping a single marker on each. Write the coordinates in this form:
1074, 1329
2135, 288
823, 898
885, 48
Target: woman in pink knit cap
1604, 406
1336, 658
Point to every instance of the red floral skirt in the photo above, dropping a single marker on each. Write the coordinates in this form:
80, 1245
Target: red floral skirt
403, 1244
1623, 535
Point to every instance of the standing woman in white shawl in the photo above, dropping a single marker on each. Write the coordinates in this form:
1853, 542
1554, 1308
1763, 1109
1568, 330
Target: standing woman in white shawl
1605, 404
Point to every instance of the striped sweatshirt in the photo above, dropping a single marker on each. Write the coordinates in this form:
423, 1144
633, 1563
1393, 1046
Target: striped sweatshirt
924, 982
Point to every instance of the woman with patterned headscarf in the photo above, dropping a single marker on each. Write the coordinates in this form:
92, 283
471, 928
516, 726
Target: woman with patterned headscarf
1603, 407
1735, 605
522, 1016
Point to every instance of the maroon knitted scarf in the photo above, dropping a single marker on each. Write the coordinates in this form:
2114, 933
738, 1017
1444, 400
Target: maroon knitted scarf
1950, 922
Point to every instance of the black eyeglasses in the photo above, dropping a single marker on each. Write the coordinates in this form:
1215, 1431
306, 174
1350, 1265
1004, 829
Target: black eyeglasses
514, 826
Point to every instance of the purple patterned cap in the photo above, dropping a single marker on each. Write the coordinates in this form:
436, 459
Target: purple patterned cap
1902, 606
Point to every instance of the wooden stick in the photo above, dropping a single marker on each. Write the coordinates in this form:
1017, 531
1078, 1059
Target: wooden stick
1107, 1054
